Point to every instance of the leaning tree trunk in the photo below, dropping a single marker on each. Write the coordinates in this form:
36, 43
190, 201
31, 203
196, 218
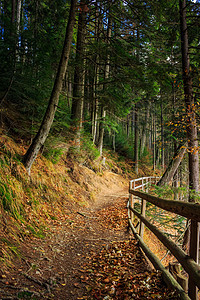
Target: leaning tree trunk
192, 140
44, 129
173, 166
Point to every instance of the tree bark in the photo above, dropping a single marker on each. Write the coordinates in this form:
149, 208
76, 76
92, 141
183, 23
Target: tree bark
13, 11
79, 76
101, 130
192, 139
136, 152
18, 18
154, 141
144, 129
106, 76
44, 129
162, 137
173, 166
95, 80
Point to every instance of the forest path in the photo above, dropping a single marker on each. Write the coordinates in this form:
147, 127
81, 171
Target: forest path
90, 256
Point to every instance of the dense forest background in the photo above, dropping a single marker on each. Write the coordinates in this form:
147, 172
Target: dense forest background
83, 77
93, 94
123, 86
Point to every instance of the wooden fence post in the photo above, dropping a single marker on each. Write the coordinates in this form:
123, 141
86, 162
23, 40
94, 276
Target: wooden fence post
194, 253
131, 201
143, 210
147, 185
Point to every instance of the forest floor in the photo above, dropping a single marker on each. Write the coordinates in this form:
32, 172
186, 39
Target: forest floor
89, 254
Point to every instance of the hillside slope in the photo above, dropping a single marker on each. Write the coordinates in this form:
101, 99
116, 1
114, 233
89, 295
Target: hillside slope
30, 205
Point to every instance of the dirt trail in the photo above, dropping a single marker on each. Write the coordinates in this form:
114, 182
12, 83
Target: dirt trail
76, 262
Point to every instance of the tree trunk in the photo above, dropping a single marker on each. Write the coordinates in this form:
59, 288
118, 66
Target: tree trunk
162, 137
43, 132
79, 77
173, 166
95, 104
101, 130
136, 152
175, 177
144, 130
192, 139
18, 18
128, 125
132, 121
13, 11
154, 141
106, 76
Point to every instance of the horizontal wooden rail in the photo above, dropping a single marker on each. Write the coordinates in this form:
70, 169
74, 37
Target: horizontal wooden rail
185, 209
188, 210
145, 181
167, 277
188, 264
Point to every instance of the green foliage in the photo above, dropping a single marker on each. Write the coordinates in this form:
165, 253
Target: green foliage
145, 157
8, 200
123, 145
179, 193
88, 147
54, 148
165, 191
26, 295
53, 154
35, 231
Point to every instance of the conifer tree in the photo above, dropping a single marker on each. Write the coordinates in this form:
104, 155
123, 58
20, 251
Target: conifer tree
44, 129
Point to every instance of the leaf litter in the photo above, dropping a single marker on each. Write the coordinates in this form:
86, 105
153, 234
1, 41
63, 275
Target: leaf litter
92, 257
119, 270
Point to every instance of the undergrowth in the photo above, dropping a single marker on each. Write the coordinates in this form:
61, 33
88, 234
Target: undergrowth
173, 193
29, 206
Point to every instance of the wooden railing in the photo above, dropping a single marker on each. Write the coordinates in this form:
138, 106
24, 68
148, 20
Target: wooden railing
143, 182
188, 210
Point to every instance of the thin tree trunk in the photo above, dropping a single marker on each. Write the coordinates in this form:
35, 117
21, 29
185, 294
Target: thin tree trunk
154, 142
13, 11
101, 130
127, 126
106, 76
136, 152
192, 139
95, 105
79, 77
43, 132
69, 90
162, 137
95, 102
132, 121
144, 130
18, 18
175, 177
113, 141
